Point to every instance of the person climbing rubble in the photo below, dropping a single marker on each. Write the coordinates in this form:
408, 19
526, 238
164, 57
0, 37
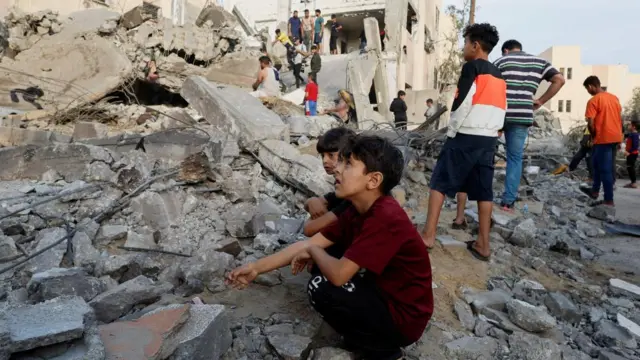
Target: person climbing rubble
267, 83
584, 152
345, 110
288, 44
326, 209
388, 304
465, 164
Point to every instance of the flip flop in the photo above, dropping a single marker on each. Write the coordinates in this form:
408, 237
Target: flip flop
456, 226
475, 252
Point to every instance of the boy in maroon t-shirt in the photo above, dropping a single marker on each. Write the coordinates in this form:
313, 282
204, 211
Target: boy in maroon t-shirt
377, 295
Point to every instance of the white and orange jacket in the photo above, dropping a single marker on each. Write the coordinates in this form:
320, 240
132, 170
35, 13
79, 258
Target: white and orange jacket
480, 103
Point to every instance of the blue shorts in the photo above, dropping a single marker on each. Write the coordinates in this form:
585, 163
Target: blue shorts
465, 164
317, 39
312, 107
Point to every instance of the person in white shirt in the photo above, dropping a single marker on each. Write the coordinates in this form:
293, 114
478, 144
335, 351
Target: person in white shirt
301, 52
266, 84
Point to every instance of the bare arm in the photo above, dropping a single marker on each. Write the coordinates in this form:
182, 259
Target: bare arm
337, 271
557, 82
284, 257
313, 227
259, 80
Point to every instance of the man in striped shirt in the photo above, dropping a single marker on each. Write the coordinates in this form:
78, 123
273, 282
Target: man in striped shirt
523, 74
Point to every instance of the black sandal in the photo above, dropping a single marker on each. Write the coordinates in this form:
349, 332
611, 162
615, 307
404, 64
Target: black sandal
475, 252
456, 226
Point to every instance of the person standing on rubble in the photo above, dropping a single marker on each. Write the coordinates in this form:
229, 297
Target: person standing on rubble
336, 28
318, 27
431, 110
604, 119
399, 109
316, 63
307, 29
465, 164
631, 152
301, 51
523, 73
295, 26
266, 84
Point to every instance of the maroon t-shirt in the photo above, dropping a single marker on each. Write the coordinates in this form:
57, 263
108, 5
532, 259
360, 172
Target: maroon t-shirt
384, 241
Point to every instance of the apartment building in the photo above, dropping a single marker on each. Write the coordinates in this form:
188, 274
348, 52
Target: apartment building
570, 103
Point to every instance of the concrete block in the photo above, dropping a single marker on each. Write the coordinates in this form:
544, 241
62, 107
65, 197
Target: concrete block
89, 130
58, 282
624, 288
52, 258
205, 336
10, 136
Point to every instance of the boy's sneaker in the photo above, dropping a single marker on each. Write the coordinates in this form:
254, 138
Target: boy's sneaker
589, 192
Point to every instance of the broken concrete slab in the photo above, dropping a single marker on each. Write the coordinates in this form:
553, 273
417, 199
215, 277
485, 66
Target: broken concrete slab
89, 130
233, 110
449, 241
524, 234
529, 317
312, 126
58, 282
531, 347
621, 287
151, 337
563, 308
139, 14
205, 336
52, 258
11, 136
85, 255
610, 334
472, 348
51, 322
116, 302
496, 299
177, 145
289, 346
631, 326
236, 72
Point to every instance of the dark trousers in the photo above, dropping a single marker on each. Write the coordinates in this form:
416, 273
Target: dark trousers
603, 169
297, 68
401, 123
358, 313
584, 152
631, 167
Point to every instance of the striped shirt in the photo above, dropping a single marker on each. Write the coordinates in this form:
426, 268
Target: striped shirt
523, 74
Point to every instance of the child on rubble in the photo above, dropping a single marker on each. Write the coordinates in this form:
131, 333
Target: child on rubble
325, 210
378, 294
311, 97
631, 152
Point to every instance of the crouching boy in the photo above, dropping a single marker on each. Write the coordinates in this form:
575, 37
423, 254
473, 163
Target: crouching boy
377, 295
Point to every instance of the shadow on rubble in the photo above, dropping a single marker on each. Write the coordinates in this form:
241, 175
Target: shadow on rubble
143, 92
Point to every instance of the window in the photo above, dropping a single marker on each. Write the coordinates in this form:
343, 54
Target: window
437, 19
568, 107
562, 71
560, 105
569, 76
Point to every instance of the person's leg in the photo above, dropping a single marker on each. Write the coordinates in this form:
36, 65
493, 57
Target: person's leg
313, 108
460, 207
515, 136
614, 153
484, 217
577, 157
358, 313
589, 160
607, 173
436, 199
479, 186
596, 159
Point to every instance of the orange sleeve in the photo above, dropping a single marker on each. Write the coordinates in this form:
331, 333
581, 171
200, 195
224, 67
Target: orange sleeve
592, 109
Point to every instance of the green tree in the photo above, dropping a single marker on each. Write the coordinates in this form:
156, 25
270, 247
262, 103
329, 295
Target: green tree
632, 109
450, 64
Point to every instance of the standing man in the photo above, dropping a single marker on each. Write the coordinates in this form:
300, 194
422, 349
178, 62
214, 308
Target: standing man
399, 109
307, 29
336, 27
465, 164
318, 25
295, 26
523, 73
604, 119
297, 62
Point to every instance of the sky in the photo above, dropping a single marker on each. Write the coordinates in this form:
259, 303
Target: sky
603, 28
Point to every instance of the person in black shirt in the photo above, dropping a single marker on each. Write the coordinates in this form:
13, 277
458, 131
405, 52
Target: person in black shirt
399, 109
336, 27
325, 210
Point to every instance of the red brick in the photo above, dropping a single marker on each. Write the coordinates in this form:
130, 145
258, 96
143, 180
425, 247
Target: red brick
148, 338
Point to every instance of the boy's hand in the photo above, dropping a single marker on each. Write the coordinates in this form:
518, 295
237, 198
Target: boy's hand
317, 207
626, 153
300, 262
240, 277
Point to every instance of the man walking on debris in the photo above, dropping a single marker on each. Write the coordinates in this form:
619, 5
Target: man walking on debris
465, 163
266, 84
604, 120
377, 294
399, 109
325, 210
523, 73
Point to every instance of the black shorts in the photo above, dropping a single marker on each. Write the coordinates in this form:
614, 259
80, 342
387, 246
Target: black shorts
333, 43
465, 165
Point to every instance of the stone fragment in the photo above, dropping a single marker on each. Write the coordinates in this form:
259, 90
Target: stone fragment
587, 228
51, 258
529, 317
267, 243
208, 267
159, 211
151, 337
51, 322
496, 299
99, 171
234, 111
239, 220
530, 291
631, 326
89, 130
500, 319
524, 234
57, 282
531, 347
7, 247
110, 233
139, 14
464, 314
116, 302
449, 241
289, 347
312, 126
205, 336
624, 288
143, 239
610, 334
602, 212
472, 348
563, 308
85, 255
330, 353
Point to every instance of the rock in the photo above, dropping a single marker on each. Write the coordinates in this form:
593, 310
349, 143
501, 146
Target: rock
152, 337
585, 344
624, 288
289, 347
496, 299
530, 347
586, 254
89, 130
234, 111
99, 171
110, 233
51, 322
571, 354
472, 348
587, 228
7, 247
159, 211
418, 177
112, 304
229, 246
609, 334
607, 355
312, 126
449, 241
208, 266
524, 234
596, 314
602, 212
59, 282
267, 243
143, 239
330, 353
138, 15
205, 336
530, 291
561, 307
239, 220
632, 327
529, 317
464, 314
52, 258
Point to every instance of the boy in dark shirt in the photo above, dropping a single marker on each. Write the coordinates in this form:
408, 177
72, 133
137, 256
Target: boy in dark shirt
336, 28
325, 210
378, 296
316, 63
399, 109
631, 152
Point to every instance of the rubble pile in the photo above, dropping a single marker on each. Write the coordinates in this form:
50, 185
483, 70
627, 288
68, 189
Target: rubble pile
548, 124
27, 29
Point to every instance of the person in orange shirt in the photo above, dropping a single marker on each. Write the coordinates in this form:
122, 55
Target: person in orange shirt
604, 118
